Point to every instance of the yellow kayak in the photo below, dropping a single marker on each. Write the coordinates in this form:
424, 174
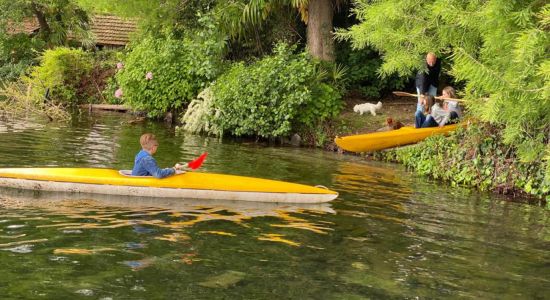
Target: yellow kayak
389, 139
188, 185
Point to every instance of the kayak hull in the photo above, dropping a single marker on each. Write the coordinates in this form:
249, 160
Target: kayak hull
186, 186
389, 139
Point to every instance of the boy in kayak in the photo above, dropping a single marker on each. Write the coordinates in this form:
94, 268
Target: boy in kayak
145, 164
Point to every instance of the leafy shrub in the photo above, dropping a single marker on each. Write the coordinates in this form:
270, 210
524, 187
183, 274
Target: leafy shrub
271, 97
477, 156
61, 71
362, 71
179, 68
199, 112
96, 87
17, 54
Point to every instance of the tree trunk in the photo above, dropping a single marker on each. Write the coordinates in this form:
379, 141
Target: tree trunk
44, 27
320, 41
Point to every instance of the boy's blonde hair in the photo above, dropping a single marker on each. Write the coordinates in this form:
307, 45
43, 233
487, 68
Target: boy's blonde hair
148, 140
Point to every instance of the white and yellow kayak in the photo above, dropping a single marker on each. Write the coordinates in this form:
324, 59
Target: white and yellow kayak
388, 139
188, 185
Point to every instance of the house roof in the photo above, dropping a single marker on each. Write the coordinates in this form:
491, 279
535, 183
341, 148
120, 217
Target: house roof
107, 30
111, 30
28, 26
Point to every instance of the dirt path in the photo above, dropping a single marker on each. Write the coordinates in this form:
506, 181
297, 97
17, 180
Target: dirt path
398, 108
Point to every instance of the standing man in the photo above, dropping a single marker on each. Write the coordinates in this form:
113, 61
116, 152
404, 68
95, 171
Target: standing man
427, 82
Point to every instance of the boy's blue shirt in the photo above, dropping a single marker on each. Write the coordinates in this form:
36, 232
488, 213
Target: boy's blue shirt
146, 165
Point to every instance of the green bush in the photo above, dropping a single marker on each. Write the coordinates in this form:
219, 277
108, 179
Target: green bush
270, 97
362, 71
61, 71
180, 68
17, 54
477, 156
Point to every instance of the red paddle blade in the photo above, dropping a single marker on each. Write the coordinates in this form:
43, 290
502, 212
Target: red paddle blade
195, 164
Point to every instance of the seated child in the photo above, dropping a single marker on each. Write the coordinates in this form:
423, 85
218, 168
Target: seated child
438, 116
145, 164
423, 109
449, 92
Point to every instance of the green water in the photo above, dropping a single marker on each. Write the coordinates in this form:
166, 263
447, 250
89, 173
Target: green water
390, 234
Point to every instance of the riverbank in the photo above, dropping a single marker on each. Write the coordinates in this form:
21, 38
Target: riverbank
474, 157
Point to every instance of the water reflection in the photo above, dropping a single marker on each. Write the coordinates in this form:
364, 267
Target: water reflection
148, 216
390, 234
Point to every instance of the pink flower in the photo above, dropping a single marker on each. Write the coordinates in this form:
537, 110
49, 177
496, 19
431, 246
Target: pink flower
149, 76
118, 93
119, 65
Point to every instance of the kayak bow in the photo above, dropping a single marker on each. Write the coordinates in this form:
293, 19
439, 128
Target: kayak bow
389, 139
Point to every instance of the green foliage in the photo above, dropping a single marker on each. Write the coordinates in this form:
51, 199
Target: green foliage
500, 49
180, 69
128, 8
61, 20
61, 72
19, 49
199, 113
242, 16
157, 18
476, 156
17, 53
273, 96
362, 71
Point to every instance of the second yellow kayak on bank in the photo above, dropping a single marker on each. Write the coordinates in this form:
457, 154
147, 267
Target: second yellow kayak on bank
389, 139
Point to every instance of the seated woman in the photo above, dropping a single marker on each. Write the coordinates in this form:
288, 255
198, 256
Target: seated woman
437, 116
451, 105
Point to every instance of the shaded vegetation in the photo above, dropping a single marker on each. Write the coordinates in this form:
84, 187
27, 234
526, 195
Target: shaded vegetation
476, 156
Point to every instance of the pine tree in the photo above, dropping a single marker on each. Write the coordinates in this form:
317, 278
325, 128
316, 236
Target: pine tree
500, 49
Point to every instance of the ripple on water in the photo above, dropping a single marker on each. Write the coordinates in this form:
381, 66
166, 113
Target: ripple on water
58, 258
75, 231
85, 292
15, 226
20, 249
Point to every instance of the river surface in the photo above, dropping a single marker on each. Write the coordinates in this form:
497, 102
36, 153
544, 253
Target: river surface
389, 235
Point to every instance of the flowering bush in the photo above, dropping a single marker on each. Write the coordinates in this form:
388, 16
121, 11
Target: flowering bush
181, 68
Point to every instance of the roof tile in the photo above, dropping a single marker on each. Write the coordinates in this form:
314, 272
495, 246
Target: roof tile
108, 30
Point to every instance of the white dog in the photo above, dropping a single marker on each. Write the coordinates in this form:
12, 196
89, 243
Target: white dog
361, 108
